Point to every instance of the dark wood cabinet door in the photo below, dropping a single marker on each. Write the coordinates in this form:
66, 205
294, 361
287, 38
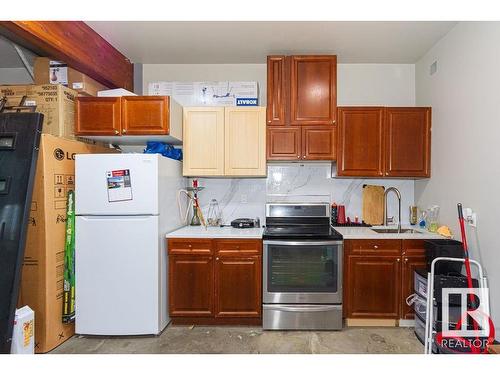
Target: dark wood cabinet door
313, 90
191, 286
277, 96
361, 142
413, 258
373, 286
238, 286
97, 116
284, 143
408, 139
319, 142
145, 115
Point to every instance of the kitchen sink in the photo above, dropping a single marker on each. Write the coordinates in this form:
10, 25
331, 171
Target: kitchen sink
395, 230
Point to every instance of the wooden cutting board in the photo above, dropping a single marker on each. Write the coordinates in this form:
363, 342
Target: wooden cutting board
373, 204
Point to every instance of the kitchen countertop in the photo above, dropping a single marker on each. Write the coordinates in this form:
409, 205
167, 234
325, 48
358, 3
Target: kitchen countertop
215, 232
359, 233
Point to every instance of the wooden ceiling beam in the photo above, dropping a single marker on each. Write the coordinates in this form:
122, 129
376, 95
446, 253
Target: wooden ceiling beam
78, 45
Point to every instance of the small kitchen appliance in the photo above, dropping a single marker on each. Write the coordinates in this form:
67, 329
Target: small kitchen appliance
245, 223
302, 268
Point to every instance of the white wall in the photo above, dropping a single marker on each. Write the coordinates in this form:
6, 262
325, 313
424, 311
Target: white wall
358, 84
10, 76
465, 97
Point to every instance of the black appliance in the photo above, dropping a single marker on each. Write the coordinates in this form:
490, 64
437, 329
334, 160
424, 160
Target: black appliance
444, 248
244, 223
19, 142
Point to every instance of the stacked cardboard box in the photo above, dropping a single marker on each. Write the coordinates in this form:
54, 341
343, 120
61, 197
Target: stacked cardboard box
54, 72
43, 267
56, 102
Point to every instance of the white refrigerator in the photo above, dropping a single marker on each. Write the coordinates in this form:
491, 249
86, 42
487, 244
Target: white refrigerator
125, 204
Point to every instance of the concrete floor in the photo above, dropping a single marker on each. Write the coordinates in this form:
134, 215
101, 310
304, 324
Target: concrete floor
248, 340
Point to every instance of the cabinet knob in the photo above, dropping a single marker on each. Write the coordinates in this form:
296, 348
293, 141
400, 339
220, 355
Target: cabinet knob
387, 173
217, 258
268, 121
406, 260
298, 157
399, 260
190, 246
375, 246
117, 132
333, 121
124, 131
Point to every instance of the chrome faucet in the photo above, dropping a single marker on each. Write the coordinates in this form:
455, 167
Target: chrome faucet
388, 219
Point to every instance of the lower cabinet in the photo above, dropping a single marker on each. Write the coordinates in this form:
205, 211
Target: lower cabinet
224, 287
379, 277
237, 286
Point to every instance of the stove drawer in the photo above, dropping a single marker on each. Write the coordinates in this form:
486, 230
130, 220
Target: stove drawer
302, 317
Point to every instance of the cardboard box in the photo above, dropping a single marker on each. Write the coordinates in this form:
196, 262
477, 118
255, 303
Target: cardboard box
43, 266
55, 72
56, 102
216, 93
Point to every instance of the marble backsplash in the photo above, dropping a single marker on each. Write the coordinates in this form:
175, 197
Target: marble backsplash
246, 197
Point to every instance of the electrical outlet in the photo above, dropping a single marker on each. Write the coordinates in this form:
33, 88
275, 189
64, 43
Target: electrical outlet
244, 199
470, 217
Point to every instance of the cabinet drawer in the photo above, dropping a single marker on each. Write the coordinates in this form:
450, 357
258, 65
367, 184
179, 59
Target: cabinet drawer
190, 246
374, 247
414, 247
238, 247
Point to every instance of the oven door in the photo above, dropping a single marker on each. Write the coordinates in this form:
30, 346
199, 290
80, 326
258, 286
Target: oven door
302, 272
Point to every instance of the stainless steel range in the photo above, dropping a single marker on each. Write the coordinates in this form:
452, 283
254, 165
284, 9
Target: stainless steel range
302, 275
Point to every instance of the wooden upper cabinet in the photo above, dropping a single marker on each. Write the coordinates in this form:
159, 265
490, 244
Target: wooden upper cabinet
145, 115
361, 141
245, 141
276, 90
203, 135
284, 143
313, 90
408, 138
98, 116
318, 143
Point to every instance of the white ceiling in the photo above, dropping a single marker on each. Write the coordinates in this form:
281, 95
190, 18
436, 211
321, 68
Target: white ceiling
250, 42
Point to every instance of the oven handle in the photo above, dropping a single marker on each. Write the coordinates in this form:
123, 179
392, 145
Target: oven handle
306, 243
304, 308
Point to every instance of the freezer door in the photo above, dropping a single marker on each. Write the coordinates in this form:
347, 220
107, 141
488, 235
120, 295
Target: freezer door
116, 184
117, 275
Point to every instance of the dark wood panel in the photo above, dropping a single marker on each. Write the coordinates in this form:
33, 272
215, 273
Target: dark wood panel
76, 44
238, 286
414, 247
190, 246
410, 264
284, 143
211, 321
97, 116
408, 138
191, 285
276, 90
373, 286
373, 247
145, 115
238, 247
361, 142
319, 143
313, 90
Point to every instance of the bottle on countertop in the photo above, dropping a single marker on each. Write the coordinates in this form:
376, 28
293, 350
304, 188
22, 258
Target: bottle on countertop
334, 214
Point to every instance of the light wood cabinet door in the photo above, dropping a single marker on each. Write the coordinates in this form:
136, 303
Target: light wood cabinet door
203, 141
98, 116
284, 143
361, 142
145, 115
245, 141
238, 286
277, 95
408, 139
373, 286
319, 142
313, 90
